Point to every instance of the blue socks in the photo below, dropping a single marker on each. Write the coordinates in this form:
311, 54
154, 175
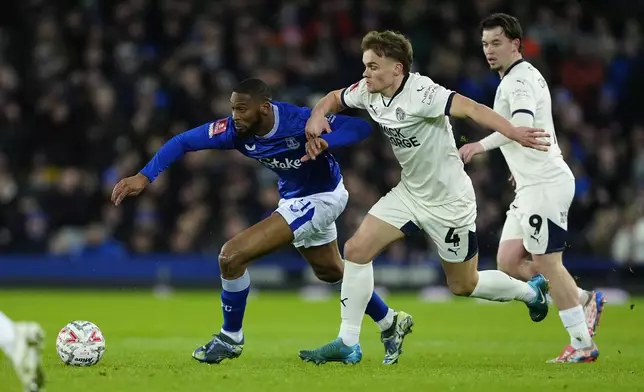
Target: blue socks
376, 307
234, 294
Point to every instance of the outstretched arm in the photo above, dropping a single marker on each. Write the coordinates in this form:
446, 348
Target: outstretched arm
214, 135
433, 100
463, 107
519, 93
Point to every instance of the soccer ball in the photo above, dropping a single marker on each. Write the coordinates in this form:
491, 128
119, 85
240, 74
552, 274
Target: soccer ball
80, 343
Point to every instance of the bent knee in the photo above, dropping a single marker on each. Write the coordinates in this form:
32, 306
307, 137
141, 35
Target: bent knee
357, 250
462, 287
231, 259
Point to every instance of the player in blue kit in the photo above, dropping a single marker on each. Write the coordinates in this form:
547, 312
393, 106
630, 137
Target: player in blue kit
312, 197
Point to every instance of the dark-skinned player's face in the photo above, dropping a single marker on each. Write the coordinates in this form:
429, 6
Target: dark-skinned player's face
247, 113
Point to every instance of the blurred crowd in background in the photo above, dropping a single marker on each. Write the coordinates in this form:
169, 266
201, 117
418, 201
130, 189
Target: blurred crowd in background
89, 90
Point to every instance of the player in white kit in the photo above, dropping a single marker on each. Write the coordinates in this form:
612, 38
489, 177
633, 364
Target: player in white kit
537, 219
434, 194
22, 342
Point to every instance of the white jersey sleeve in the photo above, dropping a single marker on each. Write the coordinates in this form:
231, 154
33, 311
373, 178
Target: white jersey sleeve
522, 99
429, 99
355, 96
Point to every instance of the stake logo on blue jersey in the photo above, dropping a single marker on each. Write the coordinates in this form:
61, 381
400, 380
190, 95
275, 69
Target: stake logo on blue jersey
280, 150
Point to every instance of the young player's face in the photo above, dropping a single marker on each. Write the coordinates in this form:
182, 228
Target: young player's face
380, 72
498, 48
246, 113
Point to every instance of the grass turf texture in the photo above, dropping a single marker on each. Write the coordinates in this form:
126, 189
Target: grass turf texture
462, 345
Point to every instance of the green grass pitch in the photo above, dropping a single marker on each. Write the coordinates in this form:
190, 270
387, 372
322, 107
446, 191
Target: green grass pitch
461, 345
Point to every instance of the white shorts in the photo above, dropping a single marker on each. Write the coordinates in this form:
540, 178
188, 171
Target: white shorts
312, 218
539, 216
452, 226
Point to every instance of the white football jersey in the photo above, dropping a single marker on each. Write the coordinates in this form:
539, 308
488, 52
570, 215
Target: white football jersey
524, 90
415, 122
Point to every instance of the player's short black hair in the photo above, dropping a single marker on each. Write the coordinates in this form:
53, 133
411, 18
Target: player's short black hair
508, 23
254, 87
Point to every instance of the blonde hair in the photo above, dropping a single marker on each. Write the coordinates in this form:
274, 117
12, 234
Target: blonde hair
390, 44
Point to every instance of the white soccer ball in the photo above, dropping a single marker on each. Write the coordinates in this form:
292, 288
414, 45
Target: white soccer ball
80, 343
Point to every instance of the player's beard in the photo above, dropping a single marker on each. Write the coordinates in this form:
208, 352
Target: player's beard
249, 131
253, 129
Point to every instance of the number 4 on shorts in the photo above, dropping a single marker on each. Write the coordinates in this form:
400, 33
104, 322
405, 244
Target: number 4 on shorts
452, 238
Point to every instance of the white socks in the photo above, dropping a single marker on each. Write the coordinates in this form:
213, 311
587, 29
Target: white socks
235, 336
388, 321
575, 322
357, 287
498, 286
7, 335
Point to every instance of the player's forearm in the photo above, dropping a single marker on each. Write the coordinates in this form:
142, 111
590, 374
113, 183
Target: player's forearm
330, 104
493, 141
167, 154
488, 118
172, 150
351, 132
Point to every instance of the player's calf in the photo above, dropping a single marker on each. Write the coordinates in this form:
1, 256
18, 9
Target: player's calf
331, 273
462, 277
252, 243
394, 326
511, 259
463, 286
359, 298
494, 285
328, 266
372, 237
563, 288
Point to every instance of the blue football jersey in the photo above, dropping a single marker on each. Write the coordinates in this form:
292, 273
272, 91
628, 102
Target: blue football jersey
280, 150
